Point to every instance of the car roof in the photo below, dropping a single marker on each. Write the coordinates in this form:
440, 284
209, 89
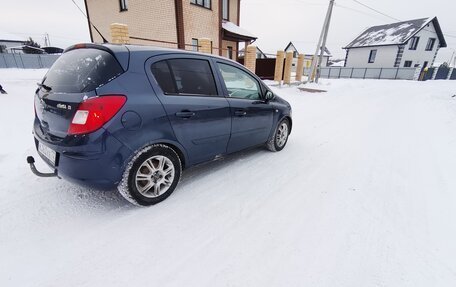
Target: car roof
155, 50
136, 55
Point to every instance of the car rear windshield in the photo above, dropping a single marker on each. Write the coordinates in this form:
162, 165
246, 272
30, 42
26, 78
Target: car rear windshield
82, 70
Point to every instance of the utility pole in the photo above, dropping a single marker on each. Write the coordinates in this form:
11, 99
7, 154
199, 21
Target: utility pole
323, 45
47, 41
452, 59
316, 63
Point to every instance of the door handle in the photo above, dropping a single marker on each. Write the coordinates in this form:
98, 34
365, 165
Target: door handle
240, 113
185, 114
259, 102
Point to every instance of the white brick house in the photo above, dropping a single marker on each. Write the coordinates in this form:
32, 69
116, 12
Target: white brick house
413, 43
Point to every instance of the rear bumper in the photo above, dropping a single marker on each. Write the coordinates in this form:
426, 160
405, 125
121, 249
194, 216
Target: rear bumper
97, 161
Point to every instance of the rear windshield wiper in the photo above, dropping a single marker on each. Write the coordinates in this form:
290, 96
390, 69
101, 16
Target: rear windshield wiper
47, 88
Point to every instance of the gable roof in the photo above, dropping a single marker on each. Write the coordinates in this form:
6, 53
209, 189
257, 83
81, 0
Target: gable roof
305, 47
395, 33
242, 51
234, 31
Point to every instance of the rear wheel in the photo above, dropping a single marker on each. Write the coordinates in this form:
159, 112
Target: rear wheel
280, 137
151, 176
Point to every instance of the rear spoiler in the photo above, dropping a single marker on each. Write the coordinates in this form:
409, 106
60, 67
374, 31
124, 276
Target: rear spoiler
120, 52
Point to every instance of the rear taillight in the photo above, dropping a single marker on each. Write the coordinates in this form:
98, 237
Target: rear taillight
93, 113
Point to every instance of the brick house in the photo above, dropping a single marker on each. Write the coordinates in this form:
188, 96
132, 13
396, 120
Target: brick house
172, 23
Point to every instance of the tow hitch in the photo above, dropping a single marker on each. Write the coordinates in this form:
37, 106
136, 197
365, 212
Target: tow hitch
31, 162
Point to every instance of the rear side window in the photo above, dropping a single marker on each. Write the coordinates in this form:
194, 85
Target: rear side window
82, 70
185, 77
162, 74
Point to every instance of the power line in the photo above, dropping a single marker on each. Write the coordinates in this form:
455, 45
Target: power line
295, 1
356, 10
391, 17
375, 10
87, 17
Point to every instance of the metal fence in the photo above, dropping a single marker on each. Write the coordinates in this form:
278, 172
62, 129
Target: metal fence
27, 61
368, 73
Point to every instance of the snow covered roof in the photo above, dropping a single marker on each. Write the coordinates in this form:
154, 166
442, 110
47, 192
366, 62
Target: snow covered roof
235, 30
340, 63
4, 36
395, 33
306, 48
242, 51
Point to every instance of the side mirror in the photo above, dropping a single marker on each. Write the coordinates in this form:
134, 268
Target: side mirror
269, 96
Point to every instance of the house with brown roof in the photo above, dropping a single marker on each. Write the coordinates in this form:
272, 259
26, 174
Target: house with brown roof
172, 23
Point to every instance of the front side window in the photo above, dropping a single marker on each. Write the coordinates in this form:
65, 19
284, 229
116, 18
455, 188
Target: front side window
239, 83
414, 43
185, 77
123, 5
203, 3
372, 56
430, 44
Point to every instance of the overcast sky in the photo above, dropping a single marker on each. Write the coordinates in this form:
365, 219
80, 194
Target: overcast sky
274, 22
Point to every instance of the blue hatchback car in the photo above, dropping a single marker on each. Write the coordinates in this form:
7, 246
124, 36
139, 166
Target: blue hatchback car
133, 117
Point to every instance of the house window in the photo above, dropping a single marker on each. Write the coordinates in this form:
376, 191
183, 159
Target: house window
372, 56
430, 44
226, 9
229, 53
123, 5
195, 45
407, 64
414, 43
295, 54
202, 3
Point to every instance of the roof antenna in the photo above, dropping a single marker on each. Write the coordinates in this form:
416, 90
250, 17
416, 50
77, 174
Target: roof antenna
96, 29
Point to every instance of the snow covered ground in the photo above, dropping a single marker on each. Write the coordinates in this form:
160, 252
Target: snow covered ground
364, 194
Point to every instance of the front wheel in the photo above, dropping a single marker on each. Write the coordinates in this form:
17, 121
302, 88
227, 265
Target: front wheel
280, 137
151, 176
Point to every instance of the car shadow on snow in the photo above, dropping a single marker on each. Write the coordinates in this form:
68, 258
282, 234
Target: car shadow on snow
200, 171
88, 198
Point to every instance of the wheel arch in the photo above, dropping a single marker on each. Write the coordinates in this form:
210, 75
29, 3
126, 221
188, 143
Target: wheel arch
290, 121
179, 152
173, 145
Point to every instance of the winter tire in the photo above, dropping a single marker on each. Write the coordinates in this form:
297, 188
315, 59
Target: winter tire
280, 137
151, 176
